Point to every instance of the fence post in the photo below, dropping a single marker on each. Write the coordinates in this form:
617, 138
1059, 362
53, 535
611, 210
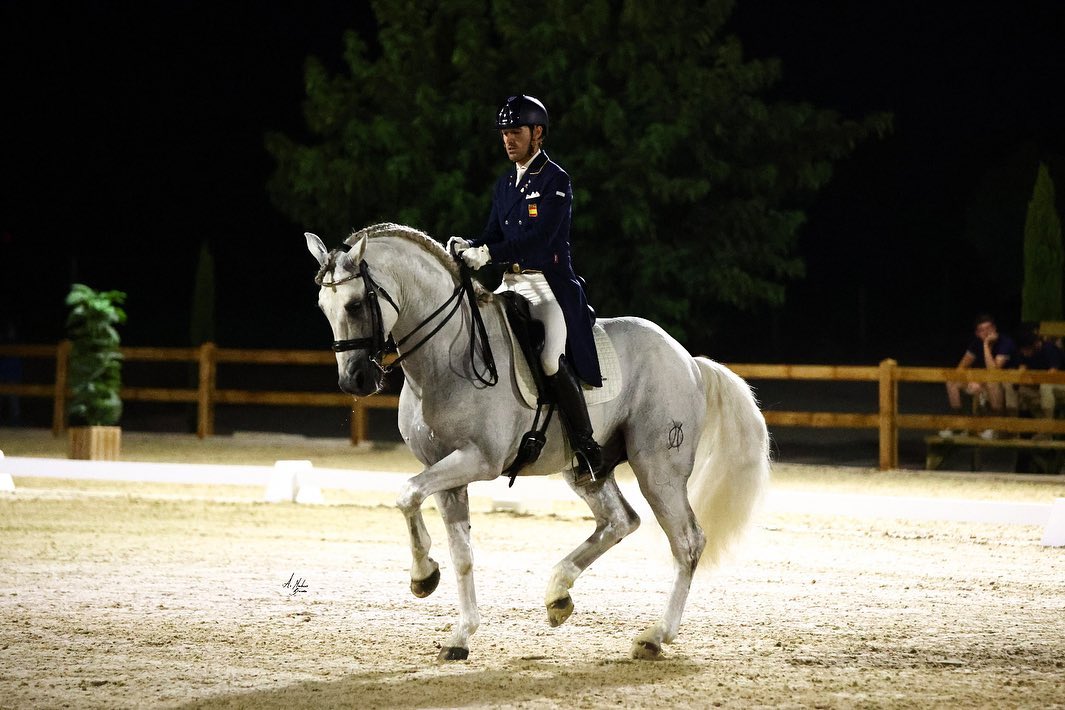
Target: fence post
889, 415
59, 402
358, 422
205, 392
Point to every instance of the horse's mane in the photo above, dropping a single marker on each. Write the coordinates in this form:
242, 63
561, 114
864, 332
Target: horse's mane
414, 236
424, 242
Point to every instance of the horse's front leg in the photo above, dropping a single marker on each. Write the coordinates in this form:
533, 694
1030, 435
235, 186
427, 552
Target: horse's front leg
447, 478
424, 570
455, 510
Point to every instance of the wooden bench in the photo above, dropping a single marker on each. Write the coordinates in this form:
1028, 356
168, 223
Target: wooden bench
940, 447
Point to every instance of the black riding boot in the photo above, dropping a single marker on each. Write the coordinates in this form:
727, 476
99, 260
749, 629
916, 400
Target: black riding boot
574, 413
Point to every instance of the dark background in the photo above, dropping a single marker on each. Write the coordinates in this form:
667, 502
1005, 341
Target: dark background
133, 131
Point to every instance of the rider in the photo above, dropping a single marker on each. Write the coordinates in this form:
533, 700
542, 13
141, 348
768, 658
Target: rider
528, 229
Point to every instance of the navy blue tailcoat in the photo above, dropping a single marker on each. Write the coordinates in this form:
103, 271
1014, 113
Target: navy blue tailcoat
529, 226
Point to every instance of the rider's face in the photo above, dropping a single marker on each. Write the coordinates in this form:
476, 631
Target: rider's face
518, 142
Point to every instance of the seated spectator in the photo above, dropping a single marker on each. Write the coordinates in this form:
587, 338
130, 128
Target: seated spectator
1035, 353
989, 350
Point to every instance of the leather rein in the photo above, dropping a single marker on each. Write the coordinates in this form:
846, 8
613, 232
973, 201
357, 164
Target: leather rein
378, 345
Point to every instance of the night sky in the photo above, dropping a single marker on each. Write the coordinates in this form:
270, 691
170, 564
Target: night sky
133, 131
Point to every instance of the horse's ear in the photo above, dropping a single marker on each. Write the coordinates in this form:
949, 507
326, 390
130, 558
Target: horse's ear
316, 248
357, 250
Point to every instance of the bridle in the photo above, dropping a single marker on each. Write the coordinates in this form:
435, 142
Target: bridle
378, 344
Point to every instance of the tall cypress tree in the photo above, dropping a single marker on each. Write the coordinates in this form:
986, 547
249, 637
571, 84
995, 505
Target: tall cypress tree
1043, 256
202, 323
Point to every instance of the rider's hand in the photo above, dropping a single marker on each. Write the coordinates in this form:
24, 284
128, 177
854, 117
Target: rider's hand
456, 245
477, 257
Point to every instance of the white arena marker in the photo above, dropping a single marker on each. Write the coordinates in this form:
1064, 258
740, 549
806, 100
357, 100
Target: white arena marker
1054, 535
284, 481
7, 484
307, 488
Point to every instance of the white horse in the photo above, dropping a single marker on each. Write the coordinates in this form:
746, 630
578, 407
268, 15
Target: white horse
463, 430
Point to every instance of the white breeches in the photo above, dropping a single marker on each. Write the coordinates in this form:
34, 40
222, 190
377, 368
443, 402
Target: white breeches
545, 309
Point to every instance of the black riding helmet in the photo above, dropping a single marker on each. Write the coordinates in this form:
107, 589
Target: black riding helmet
520, 111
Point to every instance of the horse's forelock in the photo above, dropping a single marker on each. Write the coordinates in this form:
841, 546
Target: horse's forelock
329, 266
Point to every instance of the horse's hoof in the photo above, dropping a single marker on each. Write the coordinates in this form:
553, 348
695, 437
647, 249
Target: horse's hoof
453, 653
559, 610
646, 651
424, 587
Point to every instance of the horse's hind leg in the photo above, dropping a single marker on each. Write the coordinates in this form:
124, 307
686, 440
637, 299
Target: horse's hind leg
664, 485
614, 519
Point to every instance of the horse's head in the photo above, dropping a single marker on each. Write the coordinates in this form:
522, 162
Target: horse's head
349, 299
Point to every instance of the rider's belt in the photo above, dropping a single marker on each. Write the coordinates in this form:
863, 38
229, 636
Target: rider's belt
516, 269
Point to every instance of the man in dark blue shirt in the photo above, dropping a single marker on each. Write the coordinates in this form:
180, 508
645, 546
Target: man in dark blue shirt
1034, 353
528, 229
989, 350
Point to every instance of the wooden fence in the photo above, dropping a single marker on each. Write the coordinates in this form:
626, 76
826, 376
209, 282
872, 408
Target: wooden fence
206, 395
887, 418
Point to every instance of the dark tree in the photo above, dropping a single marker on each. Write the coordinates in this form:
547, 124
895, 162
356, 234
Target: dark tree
1043, 258
689, 183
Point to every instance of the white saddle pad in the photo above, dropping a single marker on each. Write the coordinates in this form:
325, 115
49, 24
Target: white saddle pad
609, 367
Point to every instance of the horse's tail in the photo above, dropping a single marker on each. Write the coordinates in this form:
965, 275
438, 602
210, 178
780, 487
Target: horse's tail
731, 468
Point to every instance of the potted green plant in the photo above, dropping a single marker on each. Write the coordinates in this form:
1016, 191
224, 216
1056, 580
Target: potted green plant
95, 372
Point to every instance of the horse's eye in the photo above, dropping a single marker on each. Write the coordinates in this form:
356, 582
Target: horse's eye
353, 308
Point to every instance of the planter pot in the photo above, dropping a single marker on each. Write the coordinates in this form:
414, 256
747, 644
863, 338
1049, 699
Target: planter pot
100, 443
